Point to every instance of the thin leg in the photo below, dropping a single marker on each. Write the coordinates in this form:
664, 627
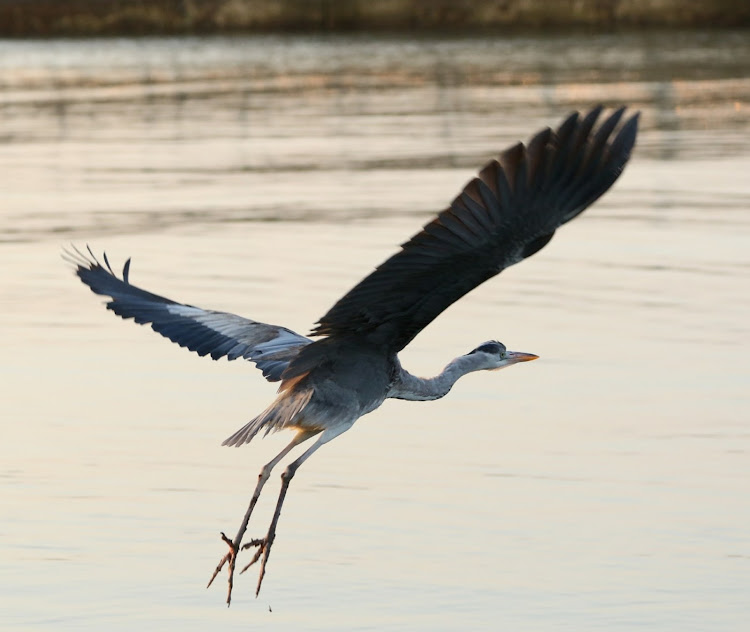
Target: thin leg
234, 546
264, 545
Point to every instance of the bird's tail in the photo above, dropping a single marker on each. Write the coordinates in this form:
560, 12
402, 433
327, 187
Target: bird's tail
284, 412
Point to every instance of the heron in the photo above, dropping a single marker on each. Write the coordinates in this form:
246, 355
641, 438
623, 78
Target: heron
349, 365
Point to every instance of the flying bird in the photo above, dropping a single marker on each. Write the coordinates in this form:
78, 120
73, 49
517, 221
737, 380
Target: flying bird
507, 213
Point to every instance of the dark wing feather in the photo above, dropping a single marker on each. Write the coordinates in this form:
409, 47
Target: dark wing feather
206, 332
506, 214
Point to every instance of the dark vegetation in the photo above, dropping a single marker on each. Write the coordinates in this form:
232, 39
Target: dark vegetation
23, 18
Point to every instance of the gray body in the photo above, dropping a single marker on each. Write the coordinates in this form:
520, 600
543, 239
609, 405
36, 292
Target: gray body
332, 396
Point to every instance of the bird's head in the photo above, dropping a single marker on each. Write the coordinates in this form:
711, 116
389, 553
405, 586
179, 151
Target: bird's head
493, 355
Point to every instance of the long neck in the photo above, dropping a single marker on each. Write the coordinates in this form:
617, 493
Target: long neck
415, 388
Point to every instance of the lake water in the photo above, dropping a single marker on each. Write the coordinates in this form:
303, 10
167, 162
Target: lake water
605, 486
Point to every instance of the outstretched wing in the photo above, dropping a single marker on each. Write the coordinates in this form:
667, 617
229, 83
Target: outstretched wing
206, 332
506, 214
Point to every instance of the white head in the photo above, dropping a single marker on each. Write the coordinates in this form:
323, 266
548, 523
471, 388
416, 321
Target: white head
493, 355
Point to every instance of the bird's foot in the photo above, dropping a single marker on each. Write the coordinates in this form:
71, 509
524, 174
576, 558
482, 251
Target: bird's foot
264, 550
231, 559
261, 544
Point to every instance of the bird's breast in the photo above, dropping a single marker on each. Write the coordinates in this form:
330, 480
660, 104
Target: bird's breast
347, 386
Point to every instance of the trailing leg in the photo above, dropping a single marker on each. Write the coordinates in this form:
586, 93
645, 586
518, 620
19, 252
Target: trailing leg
264, 545
234, 545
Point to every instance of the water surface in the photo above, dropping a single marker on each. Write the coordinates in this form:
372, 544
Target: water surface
605, 486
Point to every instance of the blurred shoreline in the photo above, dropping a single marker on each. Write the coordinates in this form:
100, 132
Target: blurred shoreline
50, 18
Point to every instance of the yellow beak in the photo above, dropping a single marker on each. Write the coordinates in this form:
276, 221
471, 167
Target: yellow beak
518, 356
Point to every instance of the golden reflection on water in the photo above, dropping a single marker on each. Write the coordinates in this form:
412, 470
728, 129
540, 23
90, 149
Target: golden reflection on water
605, 485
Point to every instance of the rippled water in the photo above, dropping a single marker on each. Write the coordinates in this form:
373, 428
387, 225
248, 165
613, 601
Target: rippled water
606, 486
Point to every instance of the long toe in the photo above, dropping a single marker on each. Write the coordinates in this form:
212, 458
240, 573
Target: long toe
231, 558
261, 544
266, 553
